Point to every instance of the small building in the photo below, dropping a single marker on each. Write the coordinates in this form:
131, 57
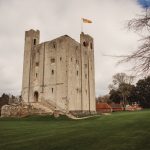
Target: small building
133, 107
129, 108
103, 107
116, 107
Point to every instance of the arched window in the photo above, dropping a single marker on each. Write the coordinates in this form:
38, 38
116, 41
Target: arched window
86, 91
85, 44
54, 45
36, 75
34, 41
52, 90
36, 96
85, 65
77, 90
91, 45
52, 72
76, 61
77, 73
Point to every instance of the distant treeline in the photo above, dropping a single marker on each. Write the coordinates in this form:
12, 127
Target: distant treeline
127, 93
5, 99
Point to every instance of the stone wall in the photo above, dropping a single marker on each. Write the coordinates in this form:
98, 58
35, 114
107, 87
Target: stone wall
21, 110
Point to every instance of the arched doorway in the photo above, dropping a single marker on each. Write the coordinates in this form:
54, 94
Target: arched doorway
36, 96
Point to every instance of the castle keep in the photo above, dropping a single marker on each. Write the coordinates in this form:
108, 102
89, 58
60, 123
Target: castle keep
59, 73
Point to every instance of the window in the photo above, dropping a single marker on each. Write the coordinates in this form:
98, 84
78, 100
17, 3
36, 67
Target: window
54, 45
71, 58
77, 73
34, 42
52, 72
52, 90
36, 75
86, 91
77, 90
60, 58
91, 45
86, 76
85, 65
76, 61
37, 64
85, 44
52, 60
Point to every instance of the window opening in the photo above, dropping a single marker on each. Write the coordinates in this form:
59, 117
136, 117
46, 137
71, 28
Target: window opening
34, 42
37, 63
85, 65
36, 75
52, 72
77, 73
86, 76
85, 44
91, 45
54, 45
52, 60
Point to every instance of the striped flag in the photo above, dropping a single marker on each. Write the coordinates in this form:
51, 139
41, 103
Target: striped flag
86, 20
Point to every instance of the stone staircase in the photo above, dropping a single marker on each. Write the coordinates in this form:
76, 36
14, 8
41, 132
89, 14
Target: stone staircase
42, 108
53, 106
50, 107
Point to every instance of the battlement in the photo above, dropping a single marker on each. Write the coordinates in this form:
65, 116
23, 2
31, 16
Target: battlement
32, 32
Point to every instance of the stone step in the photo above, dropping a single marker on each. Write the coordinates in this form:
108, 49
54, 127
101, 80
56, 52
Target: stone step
49, 107
42, 107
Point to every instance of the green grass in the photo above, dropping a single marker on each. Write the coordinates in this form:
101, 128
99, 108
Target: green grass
119, 131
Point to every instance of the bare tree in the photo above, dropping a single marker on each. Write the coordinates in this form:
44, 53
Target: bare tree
120, 78
104, 98
122, 83
141, 56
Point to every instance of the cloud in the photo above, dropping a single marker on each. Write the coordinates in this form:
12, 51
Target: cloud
55, 18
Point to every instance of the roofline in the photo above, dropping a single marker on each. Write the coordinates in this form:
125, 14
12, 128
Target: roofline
57, 39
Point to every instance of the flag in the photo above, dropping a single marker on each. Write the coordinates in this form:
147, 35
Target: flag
86, 20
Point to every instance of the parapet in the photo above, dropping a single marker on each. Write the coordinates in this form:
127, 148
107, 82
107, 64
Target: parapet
32, 32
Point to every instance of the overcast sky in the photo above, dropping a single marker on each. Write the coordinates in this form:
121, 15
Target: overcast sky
58, 17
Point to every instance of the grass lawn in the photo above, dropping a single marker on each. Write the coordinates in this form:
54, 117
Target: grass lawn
119, 131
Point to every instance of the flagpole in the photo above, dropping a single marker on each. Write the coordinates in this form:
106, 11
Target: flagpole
83, 20
81, 25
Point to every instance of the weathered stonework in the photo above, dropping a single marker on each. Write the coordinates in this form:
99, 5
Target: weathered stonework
60, 72
22, 110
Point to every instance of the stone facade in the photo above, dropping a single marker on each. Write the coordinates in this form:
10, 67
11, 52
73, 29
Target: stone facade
60, 72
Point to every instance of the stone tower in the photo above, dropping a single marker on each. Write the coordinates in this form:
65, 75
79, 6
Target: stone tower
88, 76
31, 39
59, 73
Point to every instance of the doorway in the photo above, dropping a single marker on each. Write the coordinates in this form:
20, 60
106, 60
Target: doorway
36, 96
